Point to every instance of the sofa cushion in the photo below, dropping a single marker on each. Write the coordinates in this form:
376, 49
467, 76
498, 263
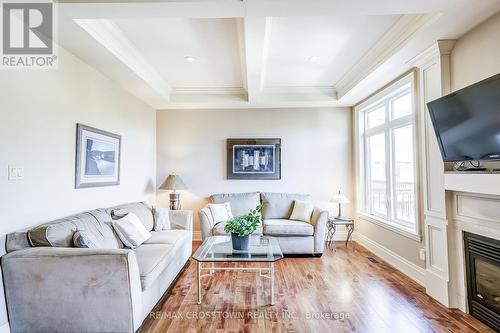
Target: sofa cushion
221, 212
85, 239
140, 209
152, 259
131, 230
218, 230
60, 232
302, 211
241, 203
161, 218
280, 205
17, 241
284, 227
171, 237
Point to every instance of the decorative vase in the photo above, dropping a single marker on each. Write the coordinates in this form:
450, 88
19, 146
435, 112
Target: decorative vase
240, 243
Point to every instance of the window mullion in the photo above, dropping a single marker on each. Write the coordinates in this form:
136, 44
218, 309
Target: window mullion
388, 164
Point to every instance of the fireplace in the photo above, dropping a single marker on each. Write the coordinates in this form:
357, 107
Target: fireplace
483, 278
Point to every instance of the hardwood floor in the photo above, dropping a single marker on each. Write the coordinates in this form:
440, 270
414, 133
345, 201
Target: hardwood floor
343, 291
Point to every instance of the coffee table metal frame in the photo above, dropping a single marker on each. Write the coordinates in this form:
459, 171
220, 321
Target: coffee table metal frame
203, 256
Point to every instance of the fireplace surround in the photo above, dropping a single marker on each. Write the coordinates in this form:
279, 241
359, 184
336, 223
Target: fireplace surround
483, 278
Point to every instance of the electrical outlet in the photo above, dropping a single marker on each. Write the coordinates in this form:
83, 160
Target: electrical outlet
422, 254
16, 173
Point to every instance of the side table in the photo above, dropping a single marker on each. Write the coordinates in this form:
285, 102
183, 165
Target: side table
331, 228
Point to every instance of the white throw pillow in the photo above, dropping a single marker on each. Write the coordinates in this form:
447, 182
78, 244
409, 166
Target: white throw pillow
302, 211
221, 212
161, 219
131, 231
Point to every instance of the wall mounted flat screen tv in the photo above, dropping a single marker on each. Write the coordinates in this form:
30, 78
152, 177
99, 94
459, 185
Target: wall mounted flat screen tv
467, 122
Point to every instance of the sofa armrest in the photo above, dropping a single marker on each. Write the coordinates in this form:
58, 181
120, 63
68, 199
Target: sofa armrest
181, 219
206, 222
52, 289
319, 220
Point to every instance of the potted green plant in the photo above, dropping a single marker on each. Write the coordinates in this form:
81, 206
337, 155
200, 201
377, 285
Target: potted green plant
242, 227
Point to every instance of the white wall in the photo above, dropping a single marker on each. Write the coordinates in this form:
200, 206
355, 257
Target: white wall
316, 151
476, 55
38, 115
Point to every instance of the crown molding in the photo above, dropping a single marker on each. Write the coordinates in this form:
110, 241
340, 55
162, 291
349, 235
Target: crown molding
109, 35
442, 47
390, 43
236, 98
209, 91
302, 93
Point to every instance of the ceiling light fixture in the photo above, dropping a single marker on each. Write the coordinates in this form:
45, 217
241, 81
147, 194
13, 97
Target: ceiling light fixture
189, 58
313, 58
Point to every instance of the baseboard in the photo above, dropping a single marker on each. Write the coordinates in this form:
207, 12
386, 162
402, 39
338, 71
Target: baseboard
5, 328
408, 268
196, 236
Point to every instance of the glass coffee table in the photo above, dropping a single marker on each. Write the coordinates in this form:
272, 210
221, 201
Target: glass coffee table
218, 249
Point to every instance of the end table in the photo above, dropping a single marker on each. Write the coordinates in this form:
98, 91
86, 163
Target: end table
331, 228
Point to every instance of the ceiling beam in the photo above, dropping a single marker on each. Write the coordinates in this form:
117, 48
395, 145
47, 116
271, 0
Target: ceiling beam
115, 9
109, 35
256, 36
125, 9
391, 42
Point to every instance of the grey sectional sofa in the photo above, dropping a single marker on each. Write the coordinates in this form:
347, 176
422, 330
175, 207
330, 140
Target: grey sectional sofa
294, 237
52, 286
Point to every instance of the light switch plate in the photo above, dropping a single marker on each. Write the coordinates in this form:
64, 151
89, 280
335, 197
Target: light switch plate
422, 254
16, 173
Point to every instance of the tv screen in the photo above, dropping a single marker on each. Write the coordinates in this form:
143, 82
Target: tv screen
467, 122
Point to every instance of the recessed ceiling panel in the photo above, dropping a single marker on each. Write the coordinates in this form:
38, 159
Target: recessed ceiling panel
317, 51
188, 52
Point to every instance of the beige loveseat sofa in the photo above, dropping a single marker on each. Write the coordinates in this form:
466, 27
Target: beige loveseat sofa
52, 286
294, 237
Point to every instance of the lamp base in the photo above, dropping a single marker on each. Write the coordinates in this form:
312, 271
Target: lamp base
175, 201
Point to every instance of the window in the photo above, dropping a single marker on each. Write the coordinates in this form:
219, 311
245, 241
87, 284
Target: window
387, 158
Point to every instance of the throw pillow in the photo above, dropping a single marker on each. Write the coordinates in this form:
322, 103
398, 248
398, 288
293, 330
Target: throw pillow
302, 211
85, 239
161, 219
131, 231
221, 212
117, 214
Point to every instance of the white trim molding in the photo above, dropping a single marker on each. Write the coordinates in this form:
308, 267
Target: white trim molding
390, 43
5, 328
109, 35
408, 268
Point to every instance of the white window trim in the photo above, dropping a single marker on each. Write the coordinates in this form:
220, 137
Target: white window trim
361, 177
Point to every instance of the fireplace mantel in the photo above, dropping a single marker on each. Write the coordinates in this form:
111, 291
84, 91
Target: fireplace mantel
474, 213
485, 183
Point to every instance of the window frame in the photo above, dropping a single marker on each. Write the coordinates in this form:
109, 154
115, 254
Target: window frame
386, 97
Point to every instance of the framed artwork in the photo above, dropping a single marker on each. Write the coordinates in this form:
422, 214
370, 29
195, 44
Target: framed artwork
253, 158
97, 157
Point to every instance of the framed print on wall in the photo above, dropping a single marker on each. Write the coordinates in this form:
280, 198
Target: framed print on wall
253, 158
97, 157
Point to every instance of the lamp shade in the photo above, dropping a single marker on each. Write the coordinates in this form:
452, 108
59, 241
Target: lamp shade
340, 198
173, 182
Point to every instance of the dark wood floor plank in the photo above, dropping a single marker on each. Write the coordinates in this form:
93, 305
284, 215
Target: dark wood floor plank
344, 291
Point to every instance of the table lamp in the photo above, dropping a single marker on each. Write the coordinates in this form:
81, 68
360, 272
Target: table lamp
340, 198
174, 183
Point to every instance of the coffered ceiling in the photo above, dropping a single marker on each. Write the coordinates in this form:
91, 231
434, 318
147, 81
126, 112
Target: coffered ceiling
259, 53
